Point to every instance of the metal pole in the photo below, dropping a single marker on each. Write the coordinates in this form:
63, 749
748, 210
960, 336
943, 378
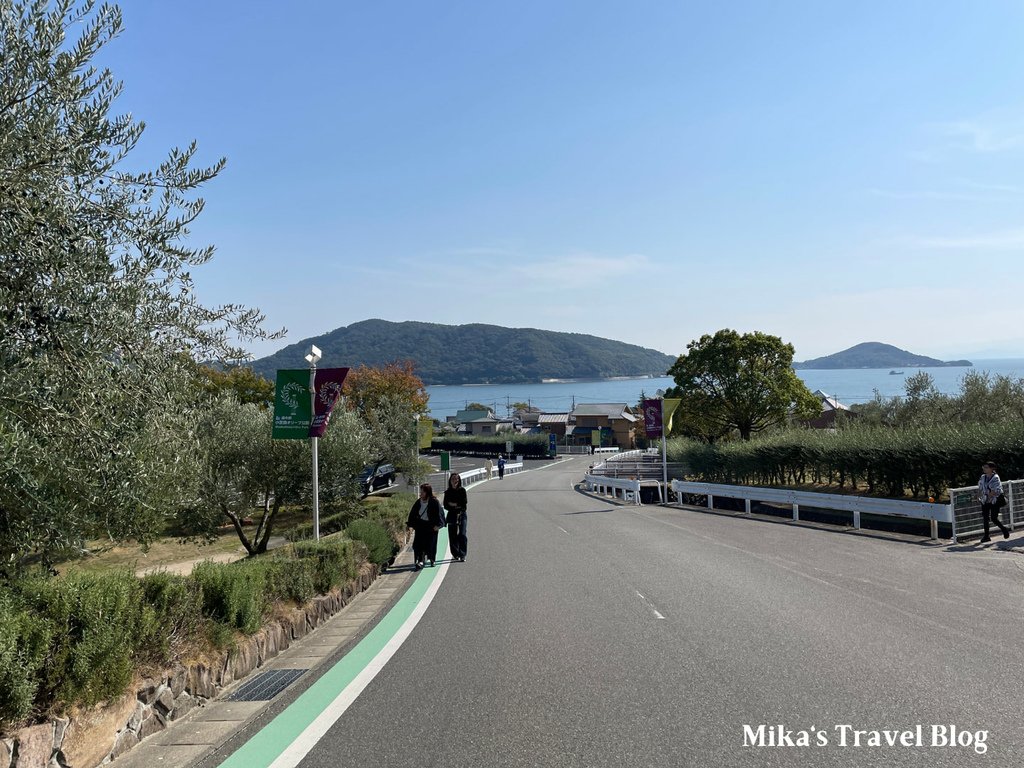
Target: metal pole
664, 456
316, 463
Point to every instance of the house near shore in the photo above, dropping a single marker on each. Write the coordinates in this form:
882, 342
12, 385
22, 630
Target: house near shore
830, 409
614, 421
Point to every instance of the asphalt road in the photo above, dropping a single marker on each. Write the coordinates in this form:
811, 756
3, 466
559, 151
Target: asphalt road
579, 633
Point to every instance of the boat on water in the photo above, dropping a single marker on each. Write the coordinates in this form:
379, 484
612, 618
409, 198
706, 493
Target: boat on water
895, 373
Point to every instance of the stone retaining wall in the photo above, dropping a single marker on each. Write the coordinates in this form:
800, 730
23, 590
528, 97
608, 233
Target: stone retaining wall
97, 736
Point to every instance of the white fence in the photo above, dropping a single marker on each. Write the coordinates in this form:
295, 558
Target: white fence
966, 508
627, 490
918, 510
479, 475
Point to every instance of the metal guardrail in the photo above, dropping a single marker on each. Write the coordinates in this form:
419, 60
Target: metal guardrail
479, 475
966, 508
920, 510
611, 486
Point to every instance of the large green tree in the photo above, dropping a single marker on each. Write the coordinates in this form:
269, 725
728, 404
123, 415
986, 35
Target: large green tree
99, 323
743, 382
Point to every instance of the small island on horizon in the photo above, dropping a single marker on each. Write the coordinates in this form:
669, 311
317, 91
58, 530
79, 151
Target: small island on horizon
874, 354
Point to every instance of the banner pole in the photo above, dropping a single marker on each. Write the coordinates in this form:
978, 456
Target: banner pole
664, 457
316, 463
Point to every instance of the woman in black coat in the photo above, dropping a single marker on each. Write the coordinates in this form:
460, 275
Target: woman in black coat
425, 521
455, 502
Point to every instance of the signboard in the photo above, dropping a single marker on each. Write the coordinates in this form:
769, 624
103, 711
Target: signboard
293, 410
446, 461
328, 390
552, 443
508, 447
652, 417
595, 437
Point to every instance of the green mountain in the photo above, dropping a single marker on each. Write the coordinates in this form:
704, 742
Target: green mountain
473, 354
873, 354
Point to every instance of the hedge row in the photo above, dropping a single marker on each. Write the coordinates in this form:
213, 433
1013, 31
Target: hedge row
534, 446
920, 461
78, 640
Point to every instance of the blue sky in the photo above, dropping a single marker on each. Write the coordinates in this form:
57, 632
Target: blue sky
648, 172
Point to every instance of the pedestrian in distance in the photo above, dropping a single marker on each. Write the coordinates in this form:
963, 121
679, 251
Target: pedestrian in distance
990, 492
455, 502
501, 465
425, 519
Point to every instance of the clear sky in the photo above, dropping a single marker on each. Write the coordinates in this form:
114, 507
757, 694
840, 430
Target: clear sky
647, 171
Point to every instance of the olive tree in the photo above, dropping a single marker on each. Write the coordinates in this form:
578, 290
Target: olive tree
99, 323
743, 382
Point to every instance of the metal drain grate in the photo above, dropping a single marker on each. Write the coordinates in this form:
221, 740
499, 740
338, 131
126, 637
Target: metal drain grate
266, 686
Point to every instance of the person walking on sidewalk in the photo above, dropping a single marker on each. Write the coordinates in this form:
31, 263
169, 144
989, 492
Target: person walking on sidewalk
455, 503
990, 492
425, 520
501, 465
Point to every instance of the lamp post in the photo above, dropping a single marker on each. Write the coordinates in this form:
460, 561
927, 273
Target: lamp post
313, 358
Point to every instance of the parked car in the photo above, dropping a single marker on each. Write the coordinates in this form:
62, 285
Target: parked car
372, 478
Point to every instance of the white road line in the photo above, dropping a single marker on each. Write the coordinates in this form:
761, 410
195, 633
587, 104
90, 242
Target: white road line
650, 606
316, 730
562, 530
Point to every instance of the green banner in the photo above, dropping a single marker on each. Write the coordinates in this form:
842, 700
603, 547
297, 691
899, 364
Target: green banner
293, 407
446, 461
425, 433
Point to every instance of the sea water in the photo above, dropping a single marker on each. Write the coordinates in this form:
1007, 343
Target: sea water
851, 385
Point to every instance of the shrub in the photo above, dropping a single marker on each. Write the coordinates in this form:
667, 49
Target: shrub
233, 593
333, 560
24, 638
177, 603
96, 623
375, 536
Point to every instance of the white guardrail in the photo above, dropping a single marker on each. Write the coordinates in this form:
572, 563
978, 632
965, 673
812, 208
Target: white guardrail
611, 486
967, 508
919, 510
479, 475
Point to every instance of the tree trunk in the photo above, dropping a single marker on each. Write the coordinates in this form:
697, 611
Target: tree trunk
238, 528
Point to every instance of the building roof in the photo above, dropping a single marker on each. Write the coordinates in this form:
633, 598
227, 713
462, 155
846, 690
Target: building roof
611, 410
553, 418
829, 402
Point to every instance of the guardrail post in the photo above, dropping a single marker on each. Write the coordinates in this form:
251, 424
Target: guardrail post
746, 506
711, 501
935, 529
952, 512
796, 511
856, 518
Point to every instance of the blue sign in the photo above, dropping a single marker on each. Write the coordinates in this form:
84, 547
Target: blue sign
552, 443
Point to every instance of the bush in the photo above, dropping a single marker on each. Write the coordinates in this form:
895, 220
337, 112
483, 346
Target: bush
491, 445
330, 524
333, 560
177, 603
375, 536
24, 638
96, 623
233, 593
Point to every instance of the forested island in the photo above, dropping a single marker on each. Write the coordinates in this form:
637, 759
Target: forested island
874, 354
473, 354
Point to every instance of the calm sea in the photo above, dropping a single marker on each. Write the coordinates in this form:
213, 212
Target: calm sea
850, 386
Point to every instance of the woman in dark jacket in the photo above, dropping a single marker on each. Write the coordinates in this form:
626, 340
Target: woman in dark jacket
425, 521
455, 502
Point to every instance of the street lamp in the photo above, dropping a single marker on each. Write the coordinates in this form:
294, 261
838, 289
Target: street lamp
313, 358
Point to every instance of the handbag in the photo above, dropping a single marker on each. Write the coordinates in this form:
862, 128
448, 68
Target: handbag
1000, 501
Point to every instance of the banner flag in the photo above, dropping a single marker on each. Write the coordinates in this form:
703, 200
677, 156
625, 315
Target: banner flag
328, 390
670, 406
652, 417
292, 406
425, 433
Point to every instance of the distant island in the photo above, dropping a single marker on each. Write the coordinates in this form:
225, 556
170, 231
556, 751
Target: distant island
473, 354
873, 354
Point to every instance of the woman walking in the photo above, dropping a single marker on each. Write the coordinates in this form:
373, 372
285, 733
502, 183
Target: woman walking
990, 492
455, 503
425, 521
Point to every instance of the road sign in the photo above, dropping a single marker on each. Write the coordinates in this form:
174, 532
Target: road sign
446, 461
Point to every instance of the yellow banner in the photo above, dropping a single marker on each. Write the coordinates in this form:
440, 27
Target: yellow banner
669, 406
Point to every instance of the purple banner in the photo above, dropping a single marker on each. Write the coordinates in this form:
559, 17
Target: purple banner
327, 386
652, 417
